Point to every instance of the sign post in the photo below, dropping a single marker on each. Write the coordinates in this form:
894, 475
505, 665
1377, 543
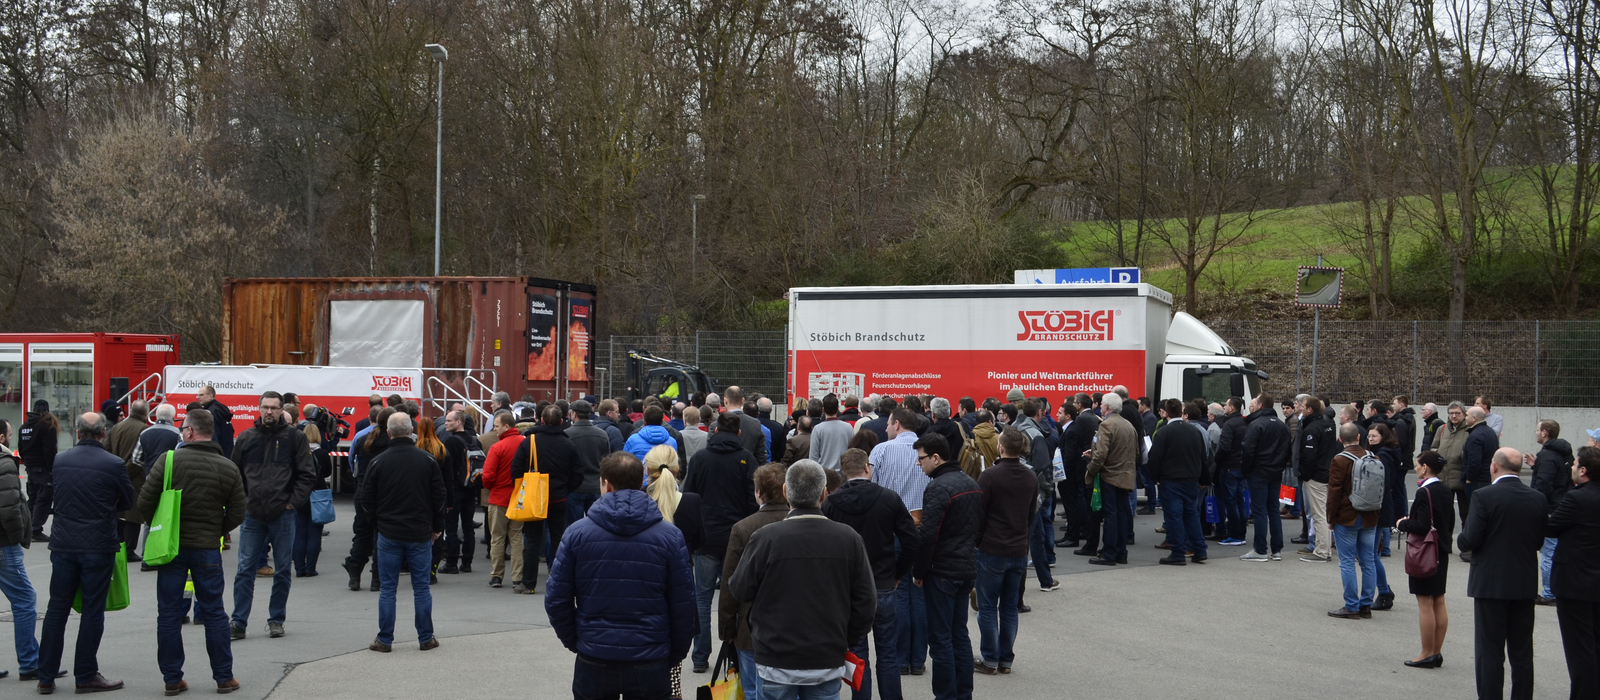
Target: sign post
1318, 287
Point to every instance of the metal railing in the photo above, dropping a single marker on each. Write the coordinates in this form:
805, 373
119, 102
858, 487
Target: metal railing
143, 391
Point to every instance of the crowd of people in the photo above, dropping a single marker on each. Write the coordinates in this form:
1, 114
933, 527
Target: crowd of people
843, 544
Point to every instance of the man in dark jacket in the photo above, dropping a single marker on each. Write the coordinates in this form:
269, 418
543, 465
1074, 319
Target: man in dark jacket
213, 503
606, 419
1010, 504
943, 424
1318, 445
1265, 453
810, 587
1576, 520
1178, 458
1076, 439
952, 508
279, 473
733, 615
459, 445
1503, 531
1039, 457
1552, 476
885, 526
36, 445
750, 434
1231, 483
91, 487
1476, 455
405, 493
558, 458
16, 534
122, 440
221, 415
619, 594
723, 475
591, 445
1403, 419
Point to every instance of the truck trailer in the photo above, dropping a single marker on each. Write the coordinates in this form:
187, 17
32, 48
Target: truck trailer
984, 340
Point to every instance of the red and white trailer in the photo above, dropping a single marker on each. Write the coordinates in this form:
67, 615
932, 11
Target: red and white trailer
984, 340
342, 390
76, 372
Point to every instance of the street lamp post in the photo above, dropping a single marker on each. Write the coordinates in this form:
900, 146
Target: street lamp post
694, 234
440, 55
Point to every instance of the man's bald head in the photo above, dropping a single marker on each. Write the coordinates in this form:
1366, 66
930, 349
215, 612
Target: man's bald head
91, 426
1476, 415
1507, 460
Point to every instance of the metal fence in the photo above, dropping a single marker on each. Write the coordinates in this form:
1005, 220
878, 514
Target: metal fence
751, 360
1516, 363
1522, 363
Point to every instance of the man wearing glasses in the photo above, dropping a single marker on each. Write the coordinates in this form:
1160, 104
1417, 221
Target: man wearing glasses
895, 466
275, 460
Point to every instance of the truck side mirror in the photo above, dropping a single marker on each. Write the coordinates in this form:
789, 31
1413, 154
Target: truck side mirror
1262, 374
1236, 384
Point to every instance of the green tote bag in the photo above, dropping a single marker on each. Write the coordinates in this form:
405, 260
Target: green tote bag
161, 546
117, 595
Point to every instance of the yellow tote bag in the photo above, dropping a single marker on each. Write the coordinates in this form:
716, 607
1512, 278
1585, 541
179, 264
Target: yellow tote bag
530, 497
729, 688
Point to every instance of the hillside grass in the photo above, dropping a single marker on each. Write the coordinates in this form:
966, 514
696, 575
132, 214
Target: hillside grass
1278, 241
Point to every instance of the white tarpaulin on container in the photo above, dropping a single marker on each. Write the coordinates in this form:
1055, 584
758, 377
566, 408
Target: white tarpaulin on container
375, 333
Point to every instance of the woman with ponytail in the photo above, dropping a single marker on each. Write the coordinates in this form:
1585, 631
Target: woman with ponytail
681, 509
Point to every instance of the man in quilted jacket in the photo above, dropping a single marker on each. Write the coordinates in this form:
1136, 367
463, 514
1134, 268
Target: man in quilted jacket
620, 593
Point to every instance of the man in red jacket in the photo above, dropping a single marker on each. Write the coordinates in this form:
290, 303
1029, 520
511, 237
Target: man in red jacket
497, 478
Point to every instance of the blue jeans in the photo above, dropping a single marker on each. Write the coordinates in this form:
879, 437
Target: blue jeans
750, 679
1264, 501
604, 680
1230, 498
71, 572
254, 536
1180, 501
1357, 547
1118, 521
307, 541
911, 613
1547, 555
828, 690
948, 642
1000, 580
205, 566
707, 574
578, 506
416, 557
24, 615
884, 632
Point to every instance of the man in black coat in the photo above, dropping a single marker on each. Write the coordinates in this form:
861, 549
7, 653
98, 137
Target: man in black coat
723, 474
1552, 476
1576, 577
1404, 421
1317, 447
91, 487
279, 473
750, 434
404, 491
1477, 454
1264, 455
881, 518
592, 444
1231, 482
1504, 531
558, 458
1178, 458
946, 565
207, 398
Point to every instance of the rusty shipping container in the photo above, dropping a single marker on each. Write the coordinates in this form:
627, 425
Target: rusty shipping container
445, 323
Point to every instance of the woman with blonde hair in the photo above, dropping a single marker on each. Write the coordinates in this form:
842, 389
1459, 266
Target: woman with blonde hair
681, 509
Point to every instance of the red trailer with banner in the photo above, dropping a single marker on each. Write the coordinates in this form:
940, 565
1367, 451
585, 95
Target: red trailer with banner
76, 372
519, 335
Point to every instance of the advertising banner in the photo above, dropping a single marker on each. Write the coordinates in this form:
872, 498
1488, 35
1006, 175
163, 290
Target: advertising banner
333, 388
580, 328
976, 346
542, 346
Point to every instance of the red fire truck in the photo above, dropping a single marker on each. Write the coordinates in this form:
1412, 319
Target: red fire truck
76, 372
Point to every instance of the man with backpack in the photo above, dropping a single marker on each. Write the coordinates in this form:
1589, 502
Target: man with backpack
1355, 496
978, 453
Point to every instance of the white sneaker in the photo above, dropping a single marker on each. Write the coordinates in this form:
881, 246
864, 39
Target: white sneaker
1253, 555
1277, 556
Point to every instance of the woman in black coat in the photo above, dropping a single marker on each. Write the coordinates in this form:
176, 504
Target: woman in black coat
1433, 508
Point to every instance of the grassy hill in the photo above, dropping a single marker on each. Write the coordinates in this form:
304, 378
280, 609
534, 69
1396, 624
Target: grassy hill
1263, 261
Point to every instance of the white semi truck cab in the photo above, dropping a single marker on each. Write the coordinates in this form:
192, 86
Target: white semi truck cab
984, 340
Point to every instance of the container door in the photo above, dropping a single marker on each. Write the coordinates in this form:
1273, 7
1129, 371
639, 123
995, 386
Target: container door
63, 374
11, 386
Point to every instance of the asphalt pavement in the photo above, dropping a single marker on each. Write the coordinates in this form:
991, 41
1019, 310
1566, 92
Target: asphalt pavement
1224, 629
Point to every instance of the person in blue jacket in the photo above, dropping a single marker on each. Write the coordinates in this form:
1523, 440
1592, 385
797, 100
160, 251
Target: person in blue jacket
620, 591
653, 433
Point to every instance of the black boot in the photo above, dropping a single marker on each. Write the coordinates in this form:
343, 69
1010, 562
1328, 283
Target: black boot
355, 575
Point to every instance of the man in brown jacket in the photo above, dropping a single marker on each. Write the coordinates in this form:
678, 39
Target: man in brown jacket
1114, 458
124, 436
1354, 531
733, 616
